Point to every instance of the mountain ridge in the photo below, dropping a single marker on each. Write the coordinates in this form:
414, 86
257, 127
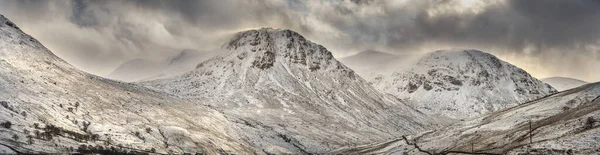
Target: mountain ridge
268, 91
269, 76
48, 106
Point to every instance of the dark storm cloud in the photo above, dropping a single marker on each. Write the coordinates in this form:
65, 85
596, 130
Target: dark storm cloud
222, 14
552, 24
560, 23
509, 24
109, 32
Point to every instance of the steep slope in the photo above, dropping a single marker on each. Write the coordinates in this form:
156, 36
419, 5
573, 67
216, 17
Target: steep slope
563, 83
141, 69
293, 95
48, 106
462, 84
564, 123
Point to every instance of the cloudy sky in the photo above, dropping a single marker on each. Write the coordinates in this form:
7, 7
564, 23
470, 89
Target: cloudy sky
546, 38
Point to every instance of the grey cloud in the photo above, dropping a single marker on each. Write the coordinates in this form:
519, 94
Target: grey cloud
562, 22
121, 30
511, 24
222, 14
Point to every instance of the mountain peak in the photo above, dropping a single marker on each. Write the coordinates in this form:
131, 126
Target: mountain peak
266, 45
262, 54
256, 37
271, 76
461, 53
459, 82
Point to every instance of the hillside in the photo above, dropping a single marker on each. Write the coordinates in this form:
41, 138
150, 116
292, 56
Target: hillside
564, 123
48, 106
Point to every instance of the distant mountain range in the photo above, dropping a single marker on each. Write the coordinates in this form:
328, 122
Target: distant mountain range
371, 64
563, 83
141, 69
272, 91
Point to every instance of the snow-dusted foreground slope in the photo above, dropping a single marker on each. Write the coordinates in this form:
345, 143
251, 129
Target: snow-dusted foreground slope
291, 95
48, 106
563, 123
462, 84
563, 83
141, 69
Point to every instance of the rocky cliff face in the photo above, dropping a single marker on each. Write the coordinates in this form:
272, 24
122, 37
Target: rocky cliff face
268, 45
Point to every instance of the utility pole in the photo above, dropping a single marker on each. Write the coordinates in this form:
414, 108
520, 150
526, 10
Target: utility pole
472, 148
530, 136
530, 133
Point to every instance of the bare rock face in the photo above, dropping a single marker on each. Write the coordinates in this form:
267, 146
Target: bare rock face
270, 45
463, 83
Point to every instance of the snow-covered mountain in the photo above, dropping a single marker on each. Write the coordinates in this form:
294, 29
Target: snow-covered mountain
293, 95
563, 83
48, 106
271, 91
274, 92
563, 123
142, 69
462, 84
